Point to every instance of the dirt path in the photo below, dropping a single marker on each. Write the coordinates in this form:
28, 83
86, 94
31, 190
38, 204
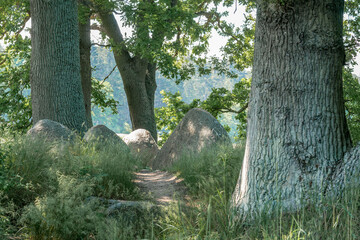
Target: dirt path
163, 187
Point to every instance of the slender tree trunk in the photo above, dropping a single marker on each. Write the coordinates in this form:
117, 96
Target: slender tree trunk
297, 134
85, 48
138, 76
55, 63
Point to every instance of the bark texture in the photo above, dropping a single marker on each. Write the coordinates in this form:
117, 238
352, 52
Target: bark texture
138, 77
297, 133
55, 63
85, 65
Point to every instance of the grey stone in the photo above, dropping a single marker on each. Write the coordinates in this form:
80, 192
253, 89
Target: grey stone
130, 209
142, 145
197, 131
122, 135
101, 135
132, 212
50, 130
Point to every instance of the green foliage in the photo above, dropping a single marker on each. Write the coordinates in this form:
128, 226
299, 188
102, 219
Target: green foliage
352, 104
239, 49
15, 107
352, 30
220, 101
351, 82
175, 34
102, 97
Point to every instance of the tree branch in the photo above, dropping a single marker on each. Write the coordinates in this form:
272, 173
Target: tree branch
109, 74
100, 45
227, 110
223, 30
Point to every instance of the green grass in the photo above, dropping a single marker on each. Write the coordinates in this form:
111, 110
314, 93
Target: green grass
49, 191
45, 187
211, 177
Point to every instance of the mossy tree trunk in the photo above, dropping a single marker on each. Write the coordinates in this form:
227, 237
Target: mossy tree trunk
55, 63
297, 137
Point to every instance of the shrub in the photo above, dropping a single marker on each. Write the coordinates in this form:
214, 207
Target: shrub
47, 183
65, 215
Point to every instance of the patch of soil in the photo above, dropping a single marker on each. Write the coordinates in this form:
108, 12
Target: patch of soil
163, 187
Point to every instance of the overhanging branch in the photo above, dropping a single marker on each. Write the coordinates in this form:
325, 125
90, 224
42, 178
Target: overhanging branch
100, 45
228, 110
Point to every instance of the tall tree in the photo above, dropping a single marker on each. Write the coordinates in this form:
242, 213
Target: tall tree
162, 32
55, 63
298, 144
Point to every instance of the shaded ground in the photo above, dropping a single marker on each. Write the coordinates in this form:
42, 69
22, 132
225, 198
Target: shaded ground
163, 187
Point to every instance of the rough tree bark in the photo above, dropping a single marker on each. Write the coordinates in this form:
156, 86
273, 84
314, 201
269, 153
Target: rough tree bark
85, 65
138, 77
297, 135
55, 63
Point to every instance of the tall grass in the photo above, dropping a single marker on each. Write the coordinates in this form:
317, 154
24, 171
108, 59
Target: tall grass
47, 186
55, 191
211, 177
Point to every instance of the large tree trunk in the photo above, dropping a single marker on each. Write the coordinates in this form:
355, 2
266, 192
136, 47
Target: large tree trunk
55, 63
85, 47
297, 134
138, 77
140, 92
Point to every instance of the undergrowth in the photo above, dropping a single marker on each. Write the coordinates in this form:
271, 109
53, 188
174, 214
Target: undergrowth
55, 191
211, 178
49, 190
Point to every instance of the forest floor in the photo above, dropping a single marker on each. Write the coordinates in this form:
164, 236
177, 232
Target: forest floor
162, 187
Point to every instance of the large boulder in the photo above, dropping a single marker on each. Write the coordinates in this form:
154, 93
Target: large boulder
102, 135
50, 130
197, 131
122, 135
142, 145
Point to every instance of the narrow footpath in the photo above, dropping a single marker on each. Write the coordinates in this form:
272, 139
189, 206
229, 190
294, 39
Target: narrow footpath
163, 187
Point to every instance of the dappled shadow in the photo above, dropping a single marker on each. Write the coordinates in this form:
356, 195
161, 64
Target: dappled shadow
163, 187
